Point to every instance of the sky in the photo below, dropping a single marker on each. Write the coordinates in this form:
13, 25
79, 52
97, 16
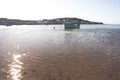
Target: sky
106, 11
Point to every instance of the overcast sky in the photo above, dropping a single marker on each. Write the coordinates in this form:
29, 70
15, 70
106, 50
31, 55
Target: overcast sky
107, 11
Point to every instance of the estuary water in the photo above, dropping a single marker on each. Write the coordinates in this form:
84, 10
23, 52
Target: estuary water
40, 52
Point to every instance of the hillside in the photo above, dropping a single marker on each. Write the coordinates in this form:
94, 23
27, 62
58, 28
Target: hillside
8, 22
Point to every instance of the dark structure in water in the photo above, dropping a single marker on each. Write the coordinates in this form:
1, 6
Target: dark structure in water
68, 25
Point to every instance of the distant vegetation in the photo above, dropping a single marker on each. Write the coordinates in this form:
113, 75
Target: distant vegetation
8, 22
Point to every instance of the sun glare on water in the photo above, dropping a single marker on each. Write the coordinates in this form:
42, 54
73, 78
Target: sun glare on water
15, 67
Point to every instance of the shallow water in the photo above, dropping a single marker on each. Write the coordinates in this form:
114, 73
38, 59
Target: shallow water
43, 53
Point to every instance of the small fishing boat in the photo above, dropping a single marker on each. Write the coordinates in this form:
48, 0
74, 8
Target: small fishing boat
69, 25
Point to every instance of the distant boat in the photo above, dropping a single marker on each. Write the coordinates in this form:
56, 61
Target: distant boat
69, 25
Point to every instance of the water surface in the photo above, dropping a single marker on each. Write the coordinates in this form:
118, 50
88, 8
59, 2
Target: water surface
43, 53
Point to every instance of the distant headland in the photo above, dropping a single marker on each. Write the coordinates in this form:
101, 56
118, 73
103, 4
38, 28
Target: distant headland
9, 22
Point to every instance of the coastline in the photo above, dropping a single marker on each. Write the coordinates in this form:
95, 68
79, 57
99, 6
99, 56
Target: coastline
57, 21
